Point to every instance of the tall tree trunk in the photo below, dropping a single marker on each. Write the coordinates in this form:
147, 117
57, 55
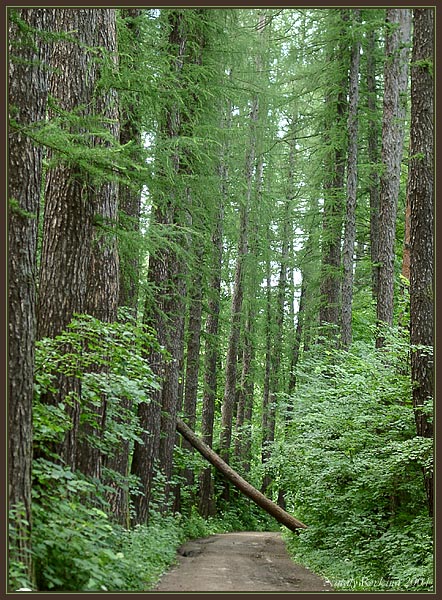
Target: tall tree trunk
245, 396
329, 312
27, 96
395, 87
237, 299
167, 270
277, 346
352, 183
206, 502
69, 207
253, 177
103, 271
373, 157
129, 203
421, 194
193, 355
129, 197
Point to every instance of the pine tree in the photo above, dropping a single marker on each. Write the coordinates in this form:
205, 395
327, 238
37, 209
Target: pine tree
395, 87
421, 194
352, 182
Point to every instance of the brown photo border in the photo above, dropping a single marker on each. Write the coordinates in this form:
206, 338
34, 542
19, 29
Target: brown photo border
3, 280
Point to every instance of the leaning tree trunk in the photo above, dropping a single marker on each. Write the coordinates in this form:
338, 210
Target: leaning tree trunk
273, 509
421, 194
395, 87
28, 90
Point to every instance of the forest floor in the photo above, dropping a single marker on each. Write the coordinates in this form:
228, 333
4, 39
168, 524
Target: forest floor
242, 562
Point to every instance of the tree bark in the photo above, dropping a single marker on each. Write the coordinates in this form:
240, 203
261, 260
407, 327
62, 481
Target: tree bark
103, 269
421, 194
68, 214
352, 183
129, 197
167, 269
329, 312
395, 87
129, 203
27, 96
237, 299
206, 502
373, 157
193, 354
273, 509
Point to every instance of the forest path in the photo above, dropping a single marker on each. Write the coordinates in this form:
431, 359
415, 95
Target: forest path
246, 561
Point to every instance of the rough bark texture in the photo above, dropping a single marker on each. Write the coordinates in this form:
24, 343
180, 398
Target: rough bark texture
352, 182
68, 216
421, 194
273, 509
395, 87
129, 198
27, 89
103, 269
407, 233
373, 157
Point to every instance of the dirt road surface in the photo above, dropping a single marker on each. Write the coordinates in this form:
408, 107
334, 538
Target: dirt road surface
239, 562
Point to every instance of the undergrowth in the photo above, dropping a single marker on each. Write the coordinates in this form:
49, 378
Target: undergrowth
352, 467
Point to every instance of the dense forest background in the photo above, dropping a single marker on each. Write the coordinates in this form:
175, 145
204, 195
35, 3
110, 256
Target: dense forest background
223, 216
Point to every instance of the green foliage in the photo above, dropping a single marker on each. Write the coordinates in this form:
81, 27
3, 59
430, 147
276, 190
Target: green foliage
353, 470
77, 548
18, 573
108, 359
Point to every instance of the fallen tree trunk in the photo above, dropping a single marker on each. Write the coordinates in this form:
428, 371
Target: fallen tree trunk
273, 509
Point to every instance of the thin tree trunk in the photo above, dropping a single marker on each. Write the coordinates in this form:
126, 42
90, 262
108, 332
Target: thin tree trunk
206, 502
167, 270
373, 157
27, 96
329, 312
245, 397
421, 194
193, 356
352, 182
276, 352
237, 299
395, 87
129, 269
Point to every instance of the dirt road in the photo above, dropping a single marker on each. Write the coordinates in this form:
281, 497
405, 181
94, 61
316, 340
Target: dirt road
240, 562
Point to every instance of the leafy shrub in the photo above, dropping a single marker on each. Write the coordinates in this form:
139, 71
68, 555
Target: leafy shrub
352, 469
